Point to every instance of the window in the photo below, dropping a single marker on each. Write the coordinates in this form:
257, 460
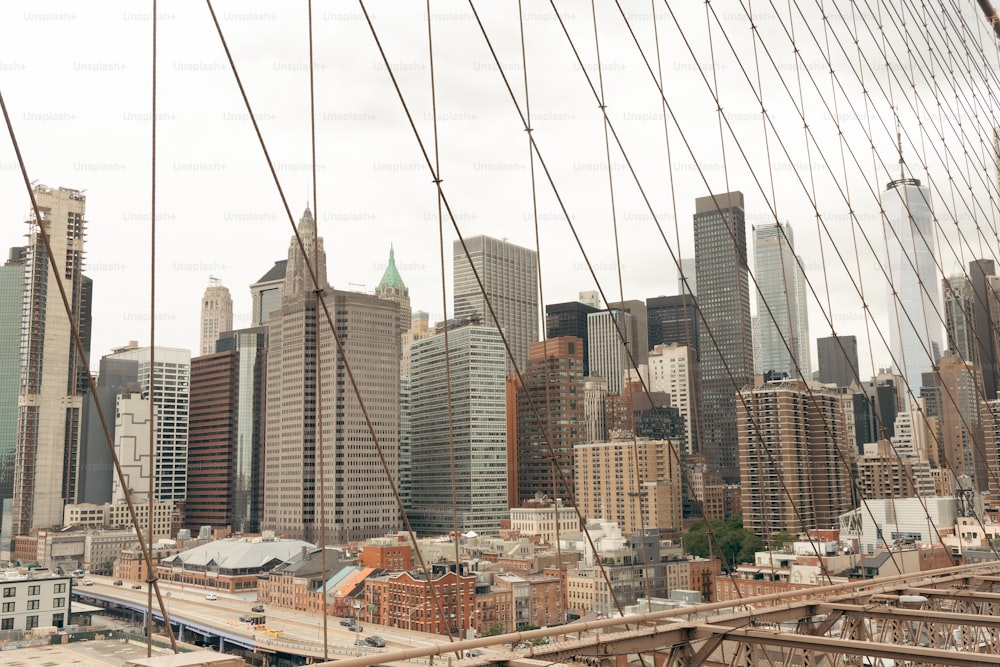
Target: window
58, 602
8, 606
60, 588
31, 623
7, 624
9, 592
32, 604
34, 590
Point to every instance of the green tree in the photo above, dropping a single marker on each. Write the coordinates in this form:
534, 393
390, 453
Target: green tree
729, 541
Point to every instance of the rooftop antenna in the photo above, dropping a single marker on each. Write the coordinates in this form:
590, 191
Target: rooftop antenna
899, 143
213, 281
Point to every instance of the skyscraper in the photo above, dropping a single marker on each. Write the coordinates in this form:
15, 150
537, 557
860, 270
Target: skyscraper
216, 315
116, 377
724, 340
782, 321
392, 288
11, 298
914, 324
553, 380
265, 294
246, 458
796, 446
639, 340
605, 330
477, 430
672, 319
50, 402
986, 338
302, 356
674, 369
509, 274
838, 360
569, 319
689, 271
171, 384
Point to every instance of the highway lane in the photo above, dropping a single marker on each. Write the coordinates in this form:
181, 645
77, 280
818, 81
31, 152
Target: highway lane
295, 626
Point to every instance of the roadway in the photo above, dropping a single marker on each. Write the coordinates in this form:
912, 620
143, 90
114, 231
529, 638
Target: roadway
300, 632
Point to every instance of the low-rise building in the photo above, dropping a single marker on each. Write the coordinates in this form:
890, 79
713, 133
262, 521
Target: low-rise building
404, 600
231, 565
34, 599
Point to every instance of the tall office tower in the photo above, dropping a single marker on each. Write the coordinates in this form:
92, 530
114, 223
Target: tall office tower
132, 449
216, 314
265, 294
639, 340
724, 300
615, 479
509, 274
962, 445
672, 319
590, 298
245, 501
392, 288
49, 404
605, 331
11, 298
796, 455
914, 324
595, 390
781, 290
549, 413
116, 377
359, 499
690, 275
838, 360
958, 317
986, 337
991, 442
212, 440
470, 459
674, 369
171, 384
569, 319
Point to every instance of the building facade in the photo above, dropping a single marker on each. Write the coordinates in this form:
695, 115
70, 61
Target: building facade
171, 392
50, 399
634, 483
11, 303
467, 457
605, 332
509, 275
672, 319
725, 343
216, 315
781, 338
914, 301
550, 414
569, 319
305, 369
674, 369
796, 457
34, 600
838, 360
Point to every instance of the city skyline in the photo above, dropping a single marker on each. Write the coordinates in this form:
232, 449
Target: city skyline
211, 194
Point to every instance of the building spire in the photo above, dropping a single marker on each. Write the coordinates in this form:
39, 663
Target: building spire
391, 278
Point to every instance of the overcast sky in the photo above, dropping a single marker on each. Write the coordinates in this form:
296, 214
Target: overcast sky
76, 78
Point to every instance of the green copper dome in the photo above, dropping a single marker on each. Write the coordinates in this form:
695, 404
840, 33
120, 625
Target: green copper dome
391, 278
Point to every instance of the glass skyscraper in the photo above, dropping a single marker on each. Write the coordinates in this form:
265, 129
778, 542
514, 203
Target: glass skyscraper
914, 315
478, 431
782, 323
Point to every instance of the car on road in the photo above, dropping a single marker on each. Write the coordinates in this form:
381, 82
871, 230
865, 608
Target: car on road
118, 582
347, 622
474, 653
88, 582
257, 607
375, 641
212, 596
137, 587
